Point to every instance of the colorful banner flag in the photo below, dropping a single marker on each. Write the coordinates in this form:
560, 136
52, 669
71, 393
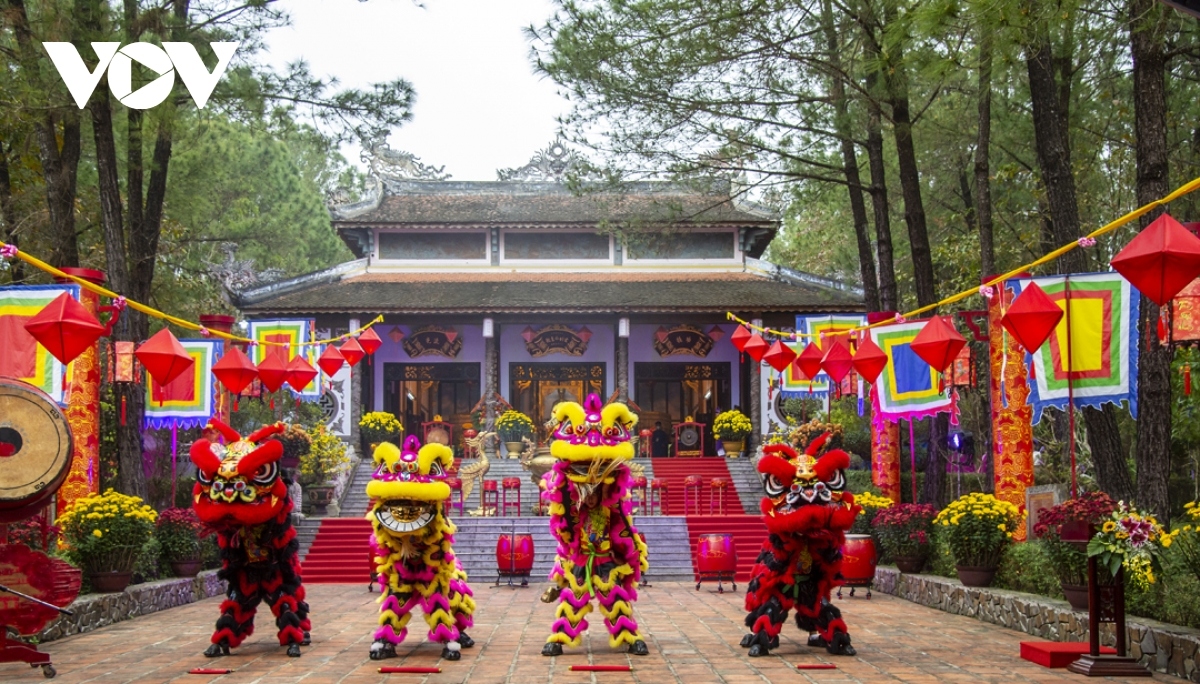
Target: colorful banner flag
289, 332
1091, 357
908, 387
23, 358
186, 401
793, 382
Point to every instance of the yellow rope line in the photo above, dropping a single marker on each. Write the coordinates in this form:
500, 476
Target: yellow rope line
174, 320
1182, 190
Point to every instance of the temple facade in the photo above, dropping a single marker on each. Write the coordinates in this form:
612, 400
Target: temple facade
531, 292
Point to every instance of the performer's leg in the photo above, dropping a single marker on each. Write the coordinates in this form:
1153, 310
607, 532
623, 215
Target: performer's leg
765, 621
442, 604
394, 615
237, 618
462, 600
570, 618
616, 599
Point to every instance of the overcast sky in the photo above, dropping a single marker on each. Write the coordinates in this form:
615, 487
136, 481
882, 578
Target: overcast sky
479, 105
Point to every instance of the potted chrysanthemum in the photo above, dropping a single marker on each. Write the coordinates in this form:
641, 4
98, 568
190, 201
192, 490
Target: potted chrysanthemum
732, 428
105, 534
1068, 559
978, 528
178, 531
904, 532
514, 427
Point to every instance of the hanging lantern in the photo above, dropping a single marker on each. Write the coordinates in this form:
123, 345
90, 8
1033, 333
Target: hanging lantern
869, 360
809, 361
65, 328
585, 334
715, 333
164, 358
451, 335
837, 360
661, 334
757, 347
779, 356
369, 340
300, 373
1032, 317
331, 360
352, 351
938, 343
273, 371
395, 334
1161, 260
235, 370
122, 366
962, 371
528, 333
740, 337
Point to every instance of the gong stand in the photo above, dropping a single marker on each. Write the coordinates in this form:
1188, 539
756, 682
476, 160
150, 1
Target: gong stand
1106, 605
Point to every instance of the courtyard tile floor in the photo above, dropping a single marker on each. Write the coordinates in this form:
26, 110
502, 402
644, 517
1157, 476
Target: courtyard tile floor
693, 638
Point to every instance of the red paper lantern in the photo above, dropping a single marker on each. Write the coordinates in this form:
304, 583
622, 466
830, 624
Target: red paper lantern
1161, 260
869, 360
65, 328
779, 356
757, 347
1032, 317
809, 361
838, 360
396, 334
331, 360
369, 341
273, 371
938, 343
740, 337
352, 351
300, 373
164, 358
235, 370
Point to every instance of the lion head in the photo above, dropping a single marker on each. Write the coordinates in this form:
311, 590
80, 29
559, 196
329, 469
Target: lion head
592, 440
408, 486
803, 492
238, 483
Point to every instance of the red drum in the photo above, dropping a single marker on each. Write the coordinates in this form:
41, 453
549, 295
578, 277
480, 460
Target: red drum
858, 560
514, 558
715, 554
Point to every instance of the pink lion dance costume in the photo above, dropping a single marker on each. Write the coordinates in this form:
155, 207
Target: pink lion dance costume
807, 514
599, 551
412, 544
241, 493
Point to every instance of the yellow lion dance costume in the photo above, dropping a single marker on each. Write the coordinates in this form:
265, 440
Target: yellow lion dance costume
599, 551
412, 543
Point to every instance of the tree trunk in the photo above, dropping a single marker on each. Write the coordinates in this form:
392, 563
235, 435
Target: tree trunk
983, 144
889, 299
8, 214
1051, 138
1152, 456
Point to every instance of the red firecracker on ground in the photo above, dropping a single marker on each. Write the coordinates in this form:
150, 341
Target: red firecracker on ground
1161, 260
164, 358
938, 343
1032, 317
65, 328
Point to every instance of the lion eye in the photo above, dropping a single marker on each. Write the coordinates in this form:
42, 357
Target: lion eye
837, 482
773, 486
203, 477
435, 470
267, 473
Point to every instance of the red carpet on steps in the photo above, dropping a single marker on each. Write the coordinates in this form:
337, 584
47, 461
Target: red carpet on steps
673, 471
339, 552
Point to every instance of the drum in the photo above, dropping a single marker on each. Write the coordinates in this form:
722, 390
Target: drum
858, 560
35, 449
715, 554
514, 559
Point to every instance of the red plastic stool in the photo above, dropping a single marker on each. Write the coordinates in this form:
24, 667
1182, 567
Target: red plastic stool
489, 491
639, 490
509, 484
658, 497
455, 486
716, 496
692, 491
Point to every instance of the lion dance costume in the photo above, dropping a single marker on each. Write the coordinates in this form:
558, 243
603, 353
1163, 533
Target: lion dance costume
412, 544
599, 550
807, 514
241, 493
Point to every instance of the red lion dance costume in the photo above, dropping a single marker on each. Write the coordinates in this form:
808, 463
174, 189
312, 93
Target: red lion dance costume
599, 551
241, 494
807, 514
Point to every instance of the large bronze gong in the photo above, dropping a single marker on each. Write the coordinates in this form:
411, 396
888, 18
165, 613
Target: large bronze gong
35, 449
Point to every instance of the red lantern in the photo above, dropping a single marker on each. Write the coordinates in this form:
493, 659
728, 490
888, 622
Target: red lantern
1161, 260
661, 334
352, 351
331, 360
809, 361
938, 343
740, 337
273, 370
396, 334
757, 347
838, 360
235, 370
869, 360
1032, 317
164, 358
65, 328
300, 373
369, 341
780, 356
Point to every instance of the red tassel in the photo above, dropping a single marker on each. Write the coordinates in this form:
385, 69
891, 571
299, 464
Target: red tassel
122, 410
272, 403
1187, 380
235, 403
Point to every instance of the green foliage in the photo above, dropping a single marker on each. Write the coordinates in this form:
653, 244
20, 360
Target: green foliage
178, 533
151, 565
1027, 567
325, 458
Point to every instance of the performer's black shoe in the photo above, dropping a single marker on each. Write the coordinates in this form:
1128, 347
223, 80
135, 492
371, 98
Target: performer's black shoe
216, 650
841, 645
383, 649
748, 640
758, 650
450, 655
639, 648
553, 649
464, 640
307, 639
293, 650
817, 641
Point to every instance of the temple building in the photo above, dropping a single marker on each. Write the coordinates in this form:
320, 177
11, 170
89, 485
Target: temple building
533, 291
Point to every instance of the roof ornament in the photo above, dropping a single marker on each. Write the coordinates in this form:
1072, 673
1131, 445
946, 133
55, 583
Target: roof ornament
387, 164
550, 165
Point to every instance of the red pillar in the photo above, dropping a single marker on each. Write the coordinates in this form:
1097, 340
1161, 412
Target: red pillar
1012, 416
83, 406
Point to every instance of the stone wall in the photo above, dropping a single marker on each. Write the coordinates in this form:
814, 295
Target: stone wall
1159, 646
93, 611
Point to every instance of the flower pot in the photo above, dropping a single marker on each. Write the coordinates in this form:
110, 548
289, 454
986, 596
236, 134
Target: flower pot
319, 496
514, 449
972, 576
733, 447
1077, 595
910, 565
186, 568
110, 581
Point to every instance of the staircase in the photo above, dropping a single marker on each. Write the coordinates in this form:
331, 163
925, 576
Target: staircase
749, 485
673, 471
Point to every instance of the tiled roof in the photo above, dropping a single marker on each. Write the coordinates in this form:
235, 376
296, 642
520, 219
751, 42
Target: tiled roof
556, 292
